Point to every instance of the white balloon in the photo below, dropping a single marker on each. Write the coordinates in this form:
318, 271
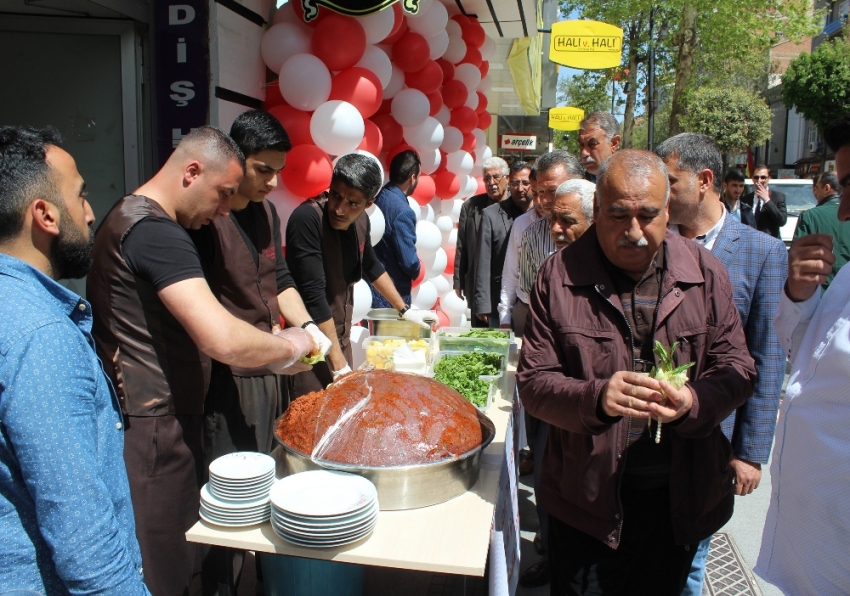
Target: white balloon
410, 107
441, 283
424, 296
444, 116
436, 263
482, 155
283, 41
454, 29
428, 237
480, 139
456, 50
452, 139
458, 203
285, 203
377, 61
305, 82
425, 137
396, 83
337, 127
452, 304
472, 100
469, 75
471, 186
286, 14
378, 224
430, 22
378, 25
427, 213
487, 48
436, 203
485, 84
414, 206
438, 44
362, 301
446, 206
457, 162
424, 5
430, 161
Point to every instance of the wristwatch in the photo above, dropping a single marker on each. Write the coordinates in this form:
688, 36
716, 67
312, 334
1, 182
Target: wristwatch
404, 310
304, 326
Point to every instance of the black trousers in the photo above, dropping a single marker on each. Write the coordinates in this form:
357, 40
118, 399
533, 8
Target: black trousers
647, 562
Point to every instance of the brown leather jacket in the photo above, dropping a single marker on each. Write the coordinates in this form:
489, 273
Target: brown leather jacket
577, 336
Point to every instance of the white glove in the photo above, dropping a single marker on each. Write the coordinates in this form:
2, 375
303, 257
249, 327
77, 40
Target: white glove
424, 318
323, 344
343, 371
301, 344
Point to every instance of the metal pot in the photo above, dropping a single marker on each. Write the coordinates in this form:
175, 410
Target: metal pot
405, 487
385, 321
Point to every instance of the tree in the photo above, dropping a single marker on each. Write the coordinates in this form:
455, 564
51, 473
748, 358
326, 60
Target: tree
735, 118
817, 85
587, 90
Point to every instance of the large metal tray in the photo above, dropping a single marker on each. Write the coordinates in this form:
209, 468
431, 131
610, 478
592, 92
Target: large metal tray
404, 487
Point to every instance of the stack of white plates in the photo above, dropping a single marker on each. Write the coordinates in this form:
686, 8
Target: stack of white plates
238, 491
324, 509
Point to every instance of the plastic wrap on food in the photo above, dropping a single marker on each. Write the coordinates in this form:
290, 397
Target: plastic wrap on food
382, 418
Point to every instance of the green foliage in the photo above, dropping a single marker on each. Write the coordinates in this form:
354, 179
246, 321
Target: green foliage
588, 90
735, 118
461, 373
817, 85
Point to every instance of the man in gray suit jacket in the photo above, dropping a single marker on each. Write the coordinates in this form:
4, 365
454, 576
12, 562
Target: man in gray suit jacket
496, 223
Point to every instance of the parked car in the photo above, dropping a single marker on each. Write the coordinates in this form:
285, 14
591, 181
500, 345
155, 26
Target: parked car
798, 198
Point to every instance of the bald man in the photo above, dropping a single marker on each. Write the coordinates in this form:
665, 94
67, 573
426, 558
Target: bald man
156, 326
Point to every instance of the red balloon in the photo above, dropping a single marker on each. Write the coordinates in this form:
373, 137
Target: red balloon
373, 140
391, 131
308, 171
484, 120
396, 150
455, 94
461, 20
473, 34
473, 56
360, 87
464, 119
295, 122
443, 318
299, 10
386, 107
448, 69
411, 52
421, 275
447, 184
451, 251
427, 80
468, 142
482, 103
425, 190
436, 101
399, 25
482, 188
273, 96
442, 166
339, 42
484, 67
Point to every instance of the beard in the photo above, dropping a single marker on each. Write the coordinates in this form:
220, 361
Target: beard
70, 253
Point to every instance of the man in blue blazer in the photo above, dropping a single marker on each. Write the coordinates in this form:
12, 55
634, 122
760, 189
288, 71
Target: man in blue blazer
757, 266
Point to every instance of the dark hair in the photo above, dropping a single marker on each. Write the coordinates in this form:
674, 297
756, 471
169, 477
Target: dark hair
257, 130
24, 174
830, 178
404, 165
735, 174
559, 157
837, 133
761, 166
695, 153
533, 174
519, 166
359, 172
213, 143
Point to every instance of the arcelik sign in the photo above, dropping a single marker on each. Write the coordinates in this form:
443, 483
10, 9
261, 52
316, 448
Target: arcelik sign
565, 118
518, 142
587, 45
354, 8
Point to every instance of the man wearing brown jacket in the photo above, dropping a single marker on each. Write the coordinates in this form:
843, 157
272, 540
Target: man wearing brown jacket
626, 513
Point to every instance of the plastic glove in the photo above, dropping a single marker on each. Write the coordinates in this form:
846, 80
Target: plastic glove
343, 371
323, 344
424, 318
301, 343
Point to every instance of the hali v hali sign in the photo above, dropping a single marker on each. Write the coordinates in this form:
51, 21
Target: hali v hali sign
588, 45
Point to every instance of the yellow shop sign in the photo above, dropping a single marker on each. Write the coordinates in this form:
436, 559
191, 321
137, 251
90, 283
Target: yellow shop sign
565, 118
587, 45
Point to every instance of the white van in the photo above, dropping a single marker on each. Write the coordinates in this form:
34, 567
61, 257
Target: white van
798, 198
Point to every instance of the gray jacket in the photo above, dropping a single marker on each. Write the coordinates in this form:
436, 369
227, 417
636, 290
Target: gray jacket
496, 223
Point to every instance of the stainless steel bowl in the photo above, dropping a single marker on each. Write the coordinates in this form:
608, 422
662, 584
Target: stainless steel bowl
385, 321
405, 487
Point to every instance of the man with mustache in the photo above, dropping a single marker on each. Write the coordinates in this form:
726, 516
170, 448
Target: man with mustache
66, 519
469, 231
598, 139
626, 512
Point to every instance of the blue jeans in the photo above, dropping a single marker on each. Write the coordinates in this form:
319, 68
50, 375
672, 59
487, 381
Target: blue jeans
697, 574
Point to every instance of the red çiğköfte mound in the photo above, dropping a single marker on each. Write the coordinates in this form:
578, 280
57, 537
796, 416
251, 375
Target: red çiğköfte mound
382, 418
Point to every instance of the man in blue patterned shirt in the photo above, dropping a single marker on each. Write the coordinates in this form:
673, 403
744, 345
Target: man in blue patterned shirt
66, 521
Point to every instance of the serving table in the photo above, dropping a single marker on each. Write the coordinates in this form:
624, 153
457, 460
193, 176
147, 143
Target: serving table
452, 537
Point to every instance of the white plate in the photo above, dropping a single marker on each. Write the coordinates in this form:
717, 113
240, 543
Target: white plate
245, 511
207, 496
324, 524
230, 524
241, 495
325, 533
313, 544
242, 465
323, 493
234, 519
246, 482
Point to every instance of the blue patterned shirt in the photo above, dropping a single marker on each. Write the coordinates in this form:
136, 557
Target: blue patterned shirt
66, 521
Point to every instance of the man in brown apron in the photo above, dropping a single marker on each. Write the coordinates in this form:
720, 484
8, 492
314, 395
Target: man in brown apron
156, 325
328, 251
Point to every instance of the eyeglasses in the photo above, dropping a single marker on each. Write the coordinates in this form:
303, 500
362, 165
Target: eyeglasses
493, 178
760, 177
518, 183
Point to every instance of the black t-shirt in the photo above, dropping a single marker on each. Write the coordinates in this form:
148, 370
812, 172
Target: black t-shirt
304, 256
245, 222
161, 252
